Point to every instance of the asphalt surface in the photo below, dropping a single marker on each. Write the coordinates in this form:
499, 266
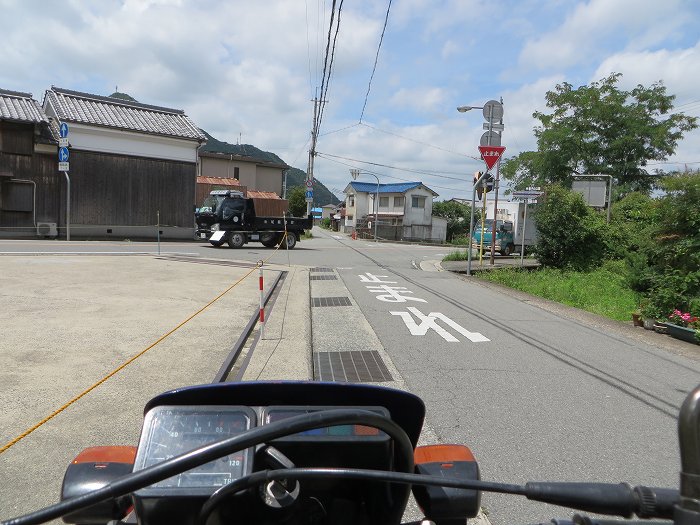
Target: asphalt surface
69, 320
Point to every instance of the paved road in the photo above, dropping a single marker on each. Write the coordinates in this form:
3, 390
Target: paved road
538, 392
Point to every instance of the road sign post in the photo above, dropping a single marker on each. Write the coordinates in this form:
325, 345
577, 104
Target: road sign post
64, 166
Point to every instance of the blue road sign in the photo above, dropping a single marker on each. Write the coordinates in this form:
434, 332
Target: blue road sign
63, 154
309, 194
63, 130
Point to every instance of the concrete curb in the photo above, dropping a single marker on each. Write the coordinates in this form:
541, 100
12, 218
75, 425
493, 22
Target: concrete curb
284, 351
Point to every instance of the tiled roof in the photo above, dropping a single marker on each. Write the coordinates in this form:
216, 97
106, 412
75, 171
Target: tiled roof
223, 181
84, 108
253, 194
20, 107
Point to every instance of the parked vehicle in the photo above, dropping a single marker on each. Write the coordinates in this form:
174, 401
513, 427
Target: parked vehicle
512, 227
226, 216
322, 453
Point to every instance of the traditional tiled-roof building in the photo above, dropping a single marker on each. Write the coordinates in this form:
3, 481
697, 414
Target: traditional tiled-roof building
132, 165
30, 185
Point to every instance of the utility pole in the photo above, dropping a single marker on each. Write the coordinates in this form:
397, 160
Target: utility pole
312, 154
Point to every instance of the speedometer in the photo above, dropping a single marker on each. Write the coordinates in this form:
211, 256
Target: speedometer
169, 431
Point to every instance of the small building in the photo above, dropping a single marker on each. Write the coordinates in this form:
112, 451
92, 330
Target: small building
328, 210
251, 167
31, 188
133, 166
404, 210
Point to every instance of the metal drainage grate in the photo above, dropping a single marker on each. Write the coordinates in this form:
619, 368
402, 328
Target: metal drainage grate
323, 278
319, 269
330, 301
359, 366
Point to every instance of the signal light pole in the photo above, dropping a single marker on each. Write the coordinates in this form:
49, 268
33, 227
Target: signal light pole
492, 111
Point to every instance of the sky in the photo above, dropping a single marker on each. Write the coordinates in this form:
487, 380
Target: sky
247, 71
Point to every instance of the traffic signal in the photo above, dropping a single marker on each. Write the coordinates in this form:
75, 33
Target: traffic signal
488, 181
486, 184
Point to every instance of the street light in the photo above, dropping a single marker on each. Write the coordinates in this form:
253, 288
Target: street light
356, 173
492, 111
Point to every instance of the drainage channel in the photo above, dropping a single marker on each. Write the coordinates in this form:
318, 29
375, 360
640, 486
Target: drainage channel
236, 362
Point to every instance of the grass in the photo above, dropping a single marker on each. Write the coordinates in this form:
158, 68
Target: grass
459, 255
602, 291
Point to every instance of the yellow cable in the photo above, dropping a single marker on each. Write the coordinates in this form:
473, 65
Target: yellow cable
122, 366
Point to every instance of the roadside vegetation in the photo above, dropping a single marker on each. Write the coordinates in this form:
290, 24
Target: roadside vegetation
647, 259
603, 291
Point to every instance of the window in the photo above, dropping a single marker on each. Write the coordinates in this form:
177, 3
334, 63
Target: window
352, 201
237, 173
417, 202
383, 202
399, 202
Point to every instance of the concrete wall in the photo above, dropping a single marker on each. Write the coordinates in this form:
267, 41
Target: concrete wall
107, 140
250, 174
418, 216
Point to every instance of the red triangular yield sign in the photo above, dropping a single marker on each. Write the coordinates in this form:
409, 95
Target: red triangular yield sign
491, 154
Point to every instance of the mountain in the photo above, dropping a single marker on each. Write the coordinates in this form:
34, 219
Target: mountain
322, 195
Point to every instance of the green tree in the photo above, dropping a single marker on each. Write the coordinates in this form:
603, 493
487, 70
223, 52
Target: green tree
457, 216
601, 129
297, 201
571, 234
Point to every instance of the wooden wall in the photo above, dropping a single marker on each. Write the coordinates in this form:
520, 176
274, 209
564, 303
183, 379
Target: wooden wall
119, 190
41, 169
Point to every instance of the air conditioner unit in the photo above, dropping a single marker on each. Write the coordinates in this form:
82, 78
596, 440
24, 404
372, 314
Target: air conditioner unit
46, 229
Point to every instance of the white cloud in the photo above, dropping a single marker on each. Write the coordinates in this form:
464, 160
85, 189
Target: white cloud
591, 28
248, 69
425, 99
678, 71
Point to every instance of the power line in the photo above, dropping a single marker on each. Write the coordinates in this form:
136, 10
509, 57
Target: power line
317, 122
308, 47
390, 176
376, 59
419, 172
419, 142
341, 129
324, 98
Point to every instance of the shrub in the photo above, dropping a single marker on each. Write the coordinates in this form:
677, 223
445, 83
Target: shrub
571, 234
671, 279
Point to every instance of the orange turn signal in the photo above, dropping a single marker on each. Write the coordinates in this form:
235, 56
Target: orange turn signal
115, 454
442, 454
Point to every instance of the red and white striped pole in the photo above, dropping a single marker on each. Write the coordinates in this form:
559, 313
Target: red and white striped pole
262, 307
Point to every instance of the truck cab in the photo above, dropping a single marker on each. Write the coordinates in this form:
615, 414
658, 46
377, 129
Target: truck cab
505, 242
223, 207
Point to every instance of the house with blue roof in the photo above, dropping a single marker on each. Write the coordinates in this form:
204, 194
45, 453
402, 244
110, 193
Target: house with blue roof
403, 211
